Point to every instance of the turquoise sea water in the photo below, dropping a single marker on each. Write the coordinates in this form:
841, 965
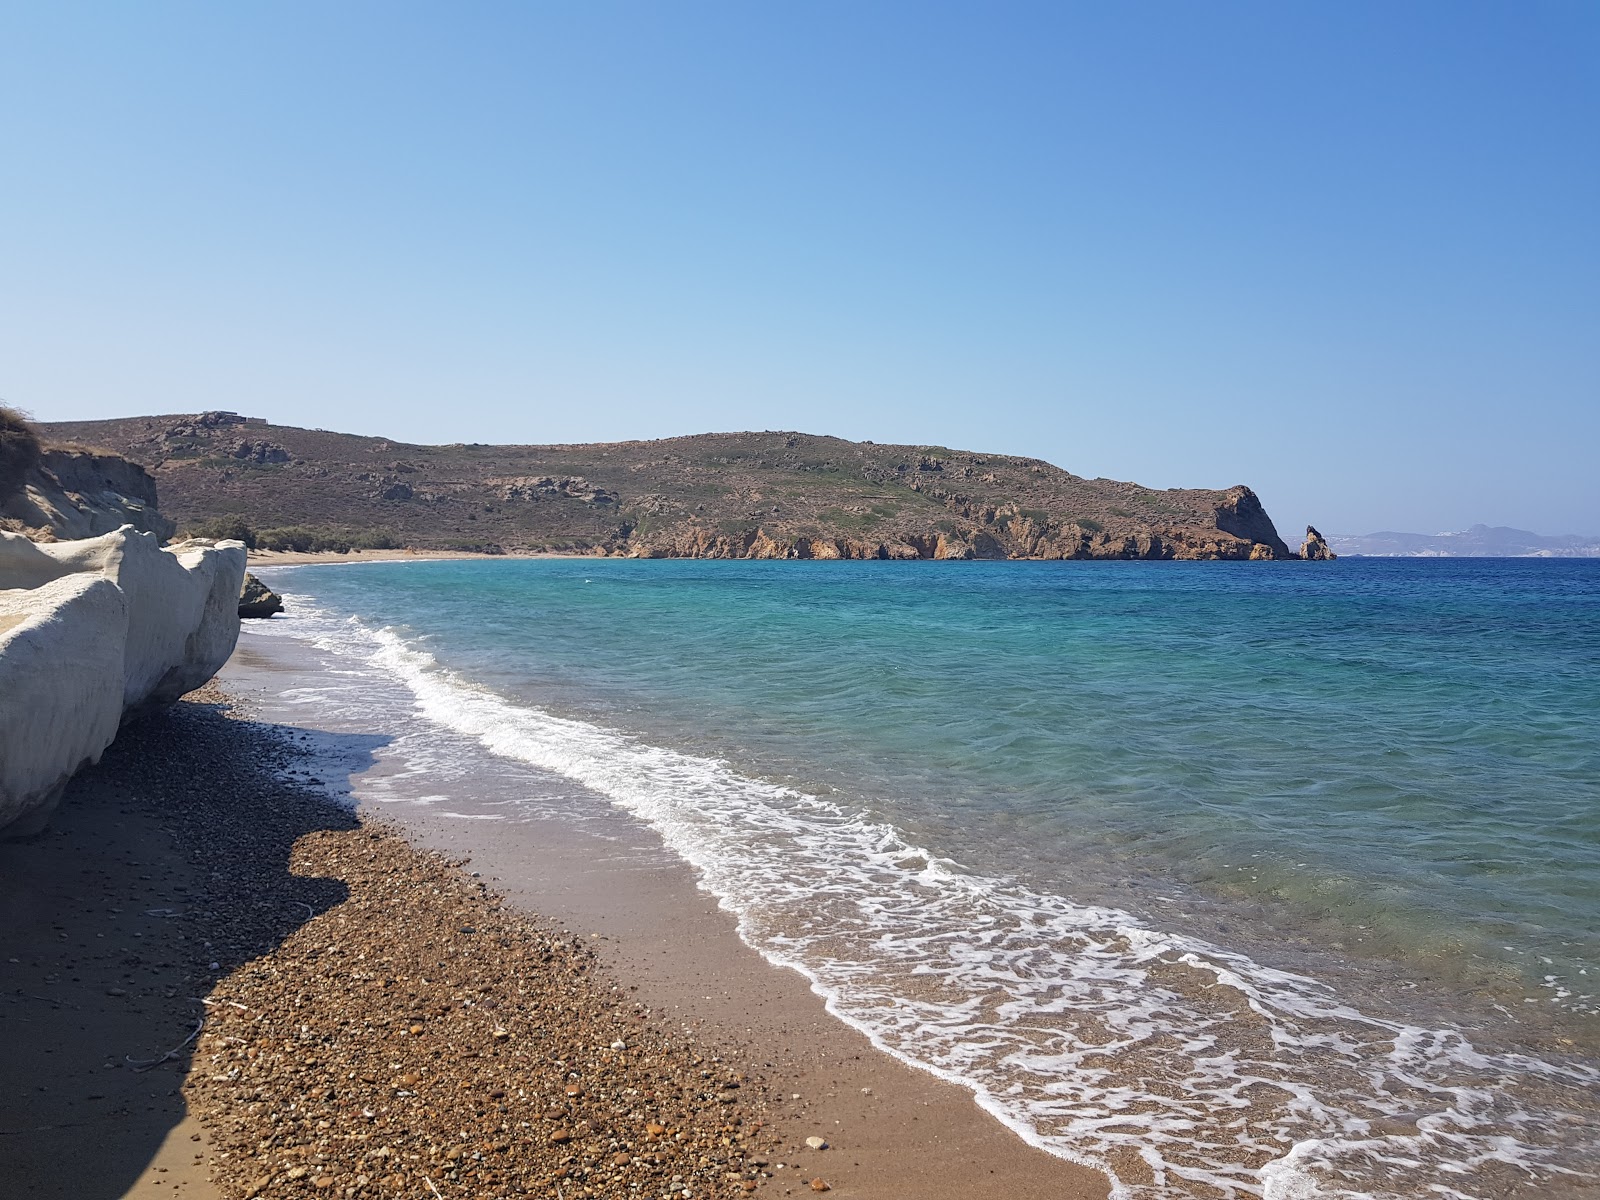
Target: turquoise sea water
1331, 832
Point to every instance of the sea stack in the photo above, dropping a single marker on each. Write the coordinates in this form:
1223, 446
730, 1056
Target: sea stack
1315, 547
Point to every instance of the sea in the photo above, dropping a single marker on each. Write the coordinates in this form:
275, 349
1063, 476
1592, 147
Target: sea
1273, 880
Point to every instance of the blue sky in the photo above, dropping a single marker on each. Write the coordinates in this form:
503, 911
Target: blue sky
1347, 253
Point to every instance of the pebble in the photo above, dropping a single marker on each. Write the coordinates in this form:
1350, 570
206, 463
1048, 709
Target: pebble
355, 1031
817, 1143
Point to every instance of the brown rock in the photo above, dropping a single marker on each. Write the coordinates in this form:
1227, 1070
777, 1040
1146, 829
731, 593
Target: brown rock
257, 600
1315, 547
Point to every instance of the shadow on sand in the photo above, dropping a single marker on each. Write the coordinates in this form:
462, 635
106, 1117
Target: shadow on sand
165, 868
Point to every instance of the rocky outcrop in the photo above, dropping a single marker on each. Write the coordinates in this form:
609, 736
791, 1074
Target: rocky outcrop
257, 600
1315, 547
572, 487
70, 493
1021, 539
1241, 513
258, 452
92, 631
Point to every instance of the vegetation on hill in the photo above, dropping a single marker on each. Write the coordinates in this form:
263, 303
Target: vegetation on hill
19, 451
729, 495
51, 489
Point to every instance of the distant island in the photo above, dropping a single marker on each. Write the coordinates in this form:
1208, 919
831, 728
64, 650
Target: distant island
1481, 541
715, 495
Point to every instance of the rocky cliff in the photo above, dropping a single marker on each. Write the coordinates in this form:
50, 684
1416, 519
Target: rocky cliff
52, 492
731, 495
94, 630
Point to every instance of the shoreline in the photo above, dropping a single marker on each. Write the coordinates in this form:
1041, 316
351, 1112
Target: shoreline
893, 1130
189, 886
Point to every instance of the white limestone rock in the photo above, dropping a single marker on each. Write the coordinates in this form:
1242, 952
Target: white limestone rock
154, 623
61, 654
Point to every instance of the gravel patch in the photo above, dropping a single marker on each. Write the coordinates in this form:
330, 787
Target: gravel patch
377, 1022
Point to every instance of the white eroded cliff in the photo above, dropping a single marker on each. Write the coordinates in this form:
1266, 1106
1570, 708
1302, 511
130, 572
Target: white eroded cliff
90, 630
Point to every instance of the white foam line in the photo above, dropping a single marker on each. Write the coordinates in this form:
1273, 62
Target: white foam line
1081, 1030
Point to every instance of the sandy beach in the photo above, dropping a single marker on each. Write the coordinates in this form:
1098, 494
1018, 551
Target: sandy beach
230, 986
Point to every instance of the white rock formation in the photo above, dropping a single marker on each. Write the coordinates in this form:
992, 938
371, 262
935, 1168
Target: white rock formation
91, 631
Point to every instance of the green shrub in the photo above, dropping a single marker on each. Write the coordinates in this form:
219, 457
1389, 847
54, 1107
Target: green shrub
221, 529
302, 539
310, 540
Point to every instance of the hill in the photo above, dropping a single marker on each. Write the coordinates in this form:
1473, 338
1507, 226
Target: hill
718, 495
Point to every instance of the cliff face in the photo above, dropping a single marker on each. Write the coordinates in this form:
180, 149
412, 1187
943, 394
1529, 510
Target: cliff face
733, 495
990, 533
90, 631
70, 493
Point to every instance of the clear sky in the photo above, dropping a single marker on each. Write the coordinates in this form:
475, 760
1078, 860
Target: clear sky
1346, 252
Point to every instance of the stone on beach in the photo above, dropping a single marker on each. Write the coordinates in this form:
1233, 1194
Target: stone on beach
256, 600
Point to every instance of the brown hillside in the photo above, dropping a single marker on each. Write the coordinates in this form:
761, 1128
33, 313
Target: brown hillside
725, 495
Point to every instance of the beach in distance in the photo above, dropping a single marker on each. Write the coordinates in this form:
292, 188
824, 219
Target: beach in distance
1214, 878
